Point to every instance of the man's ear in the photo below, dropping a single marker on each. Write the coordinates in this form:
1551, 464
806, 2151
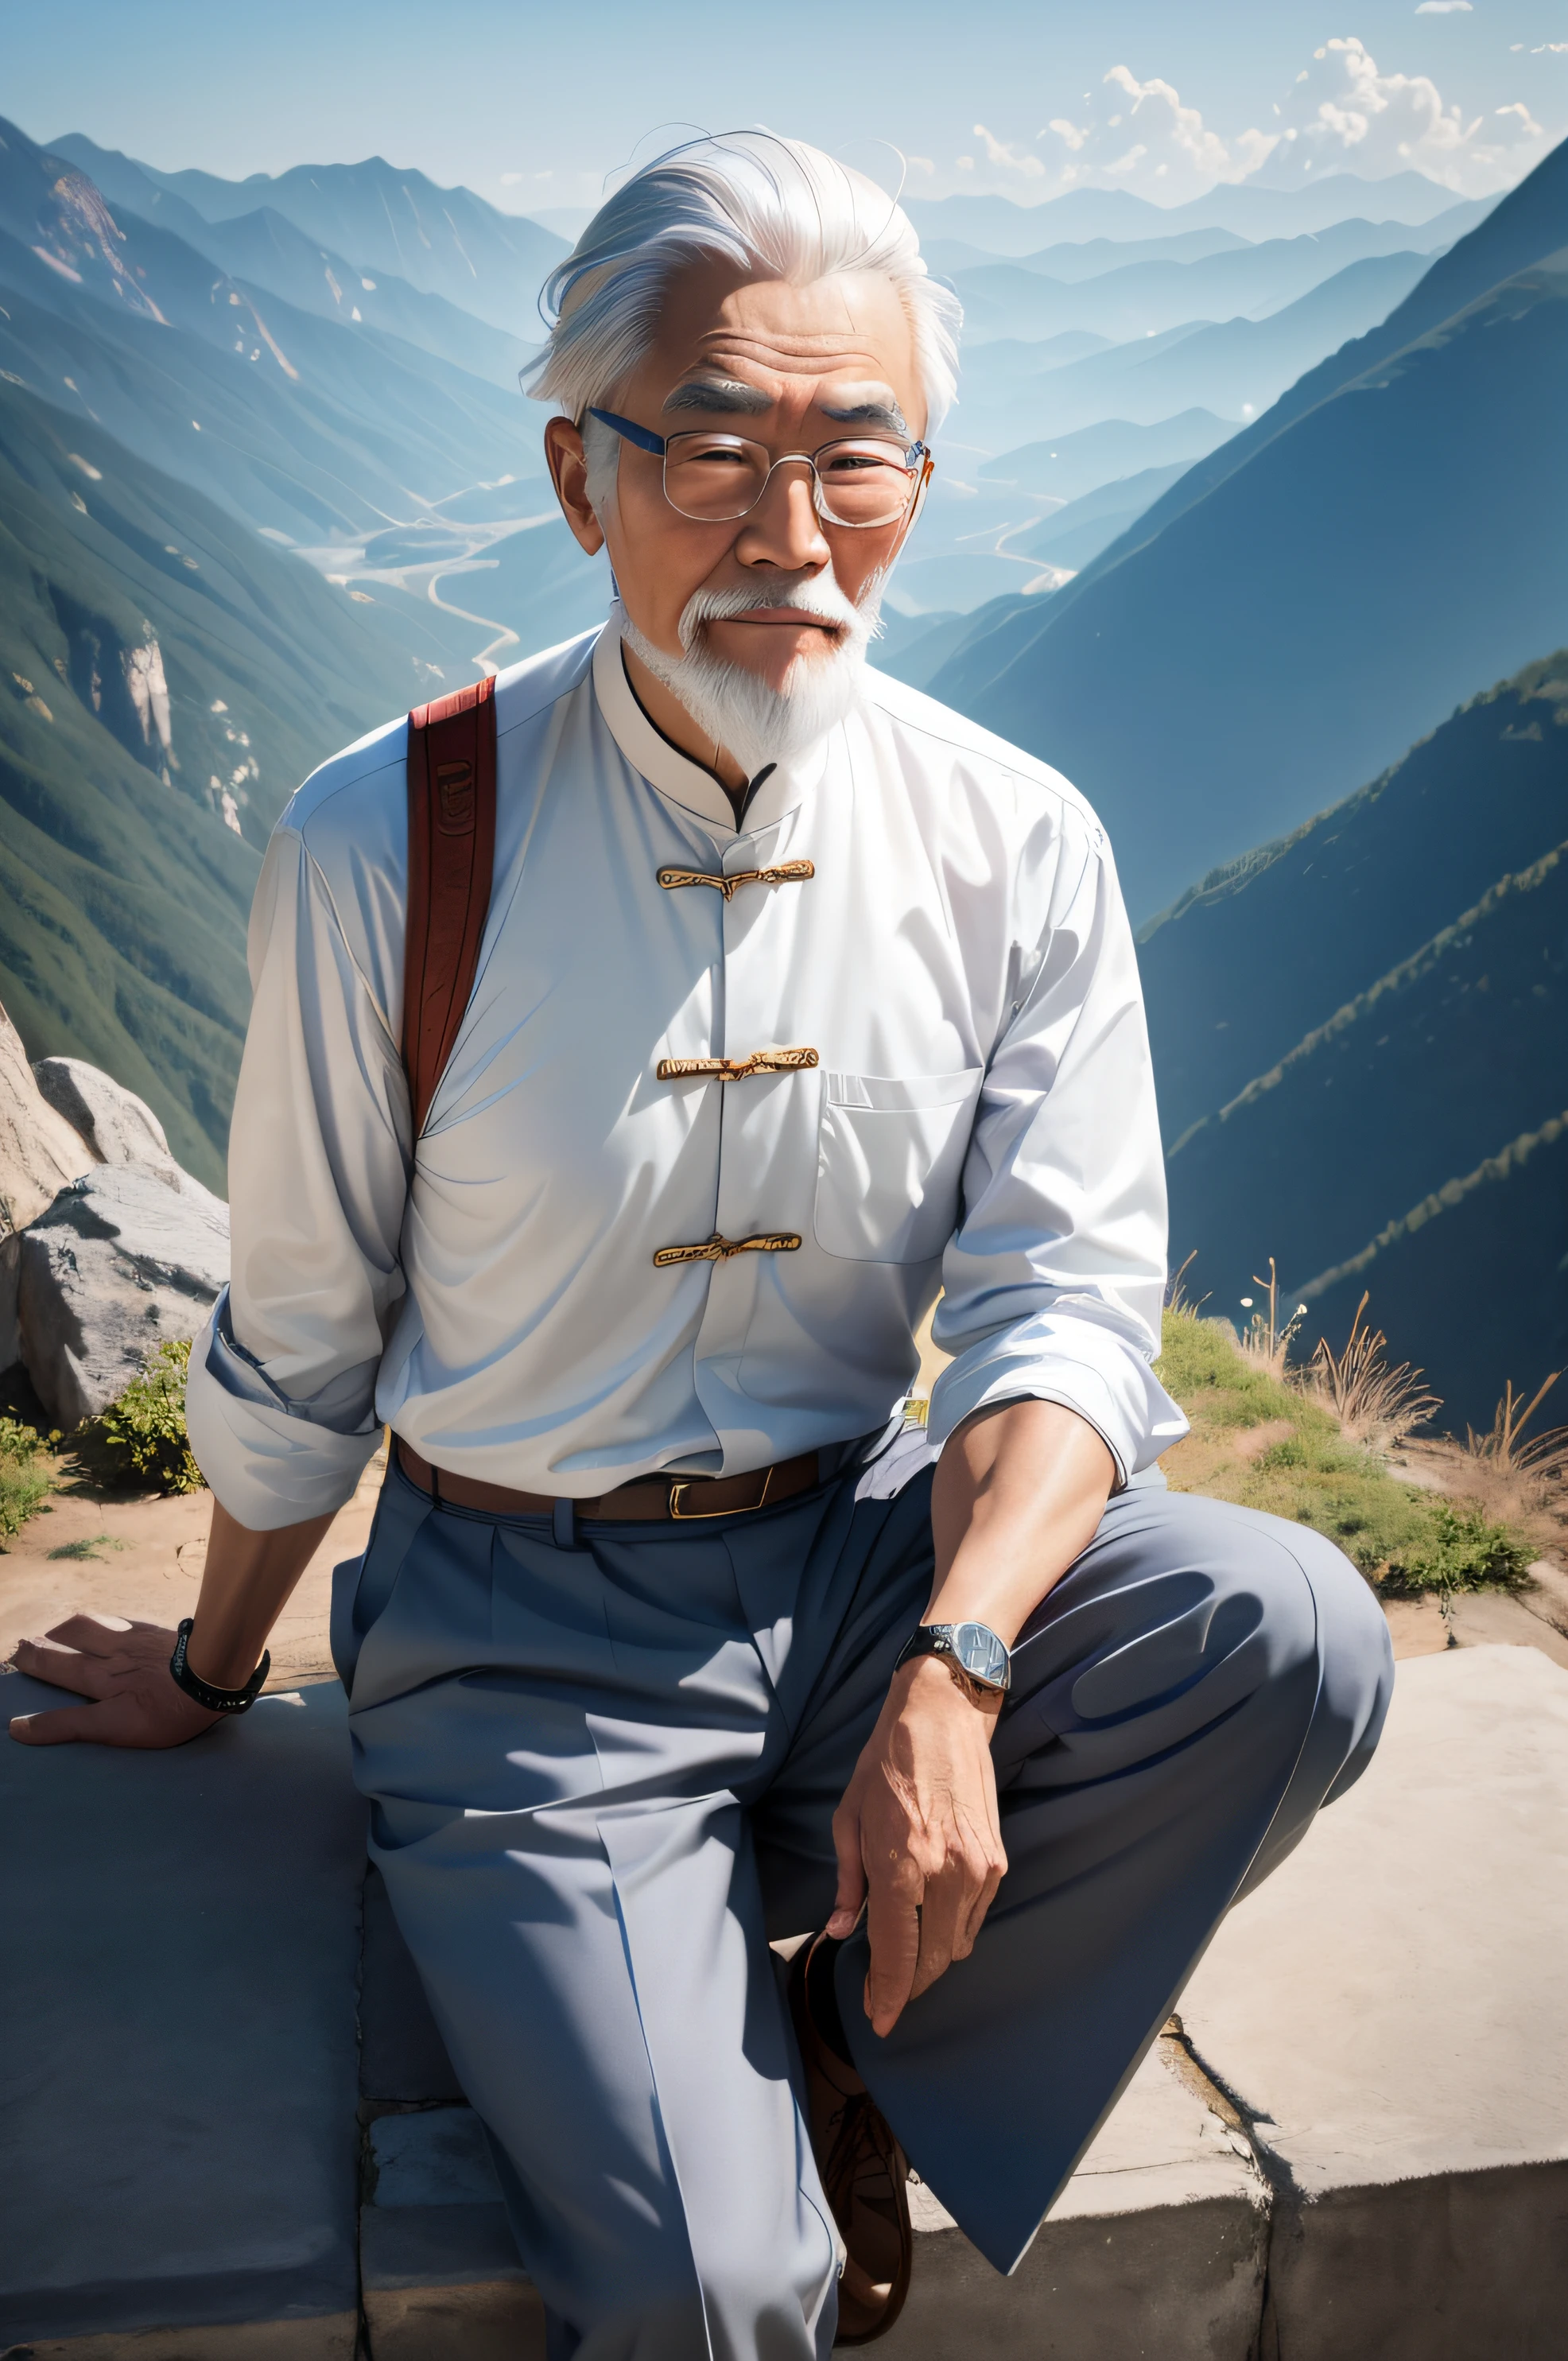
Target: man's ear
569, 474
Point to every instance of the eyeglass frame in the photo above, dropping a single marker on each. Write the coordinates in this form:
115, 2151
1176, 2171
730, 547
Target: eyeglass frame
917, 458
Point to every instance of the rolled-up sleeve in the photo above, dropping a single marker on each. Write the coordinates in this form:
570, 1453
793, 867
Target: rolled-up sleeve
1053, 1282
280, 1399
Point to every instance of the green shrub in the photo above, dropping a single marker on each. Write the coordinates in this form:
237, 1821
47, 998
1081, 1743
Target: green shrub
1403, 1540
143, 1435
25, 1474
1467, 1552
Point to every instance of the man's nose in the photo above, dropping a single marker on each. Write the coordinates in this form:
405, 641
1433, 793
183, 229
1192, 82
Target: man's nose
784, 529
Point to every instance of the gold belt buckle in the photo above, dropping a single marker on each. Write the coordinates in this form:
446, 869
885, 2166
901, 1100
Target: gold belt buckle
701, 1516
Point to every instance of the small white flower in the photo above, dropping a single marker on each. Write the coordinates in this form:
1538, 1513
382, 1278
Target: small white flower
1246, 1303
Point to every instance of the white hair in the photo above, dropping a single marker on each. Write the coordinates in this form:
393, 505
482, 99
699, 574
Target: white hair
774, 206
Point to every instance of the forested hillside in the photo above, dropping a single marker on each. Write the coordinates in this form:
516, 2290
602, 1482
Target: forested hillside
166, 680
1364, 1028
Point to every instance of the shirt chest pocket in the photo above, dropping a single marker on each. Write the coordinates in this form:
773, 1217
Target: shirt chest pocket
890, 1157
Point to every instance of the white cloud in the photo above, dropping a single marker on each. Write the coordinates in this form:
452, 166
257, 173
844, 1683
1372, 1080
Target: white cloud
1008, 159
1144, 139
1445, 9
921, 164
510, 179
1342, 115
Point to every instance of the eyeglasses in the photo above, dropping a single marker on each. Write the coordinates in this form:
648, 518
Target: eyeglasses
864, 479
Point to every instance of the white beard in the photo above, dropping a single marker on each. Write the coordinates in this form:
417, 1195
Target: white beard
742, 713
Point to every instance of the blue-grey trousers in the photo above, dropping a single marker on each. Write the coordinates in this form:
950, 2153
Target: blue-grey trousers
602, 1767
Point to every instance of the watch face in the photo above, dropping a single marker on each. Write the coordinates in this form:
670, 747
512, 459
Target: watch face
981, 1653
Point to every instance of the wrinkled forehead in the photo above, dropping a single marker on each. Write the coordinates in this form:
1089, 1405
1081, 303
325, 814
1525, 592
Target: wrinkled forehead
729, 342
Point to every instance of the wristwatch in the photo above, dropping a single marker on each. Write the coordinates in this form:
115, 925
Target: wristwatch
977, 1659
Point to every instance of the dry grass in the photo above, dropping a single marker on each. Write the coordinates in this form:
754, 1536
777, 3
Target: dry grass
1514, 1479
1276, 1442
1375, 1405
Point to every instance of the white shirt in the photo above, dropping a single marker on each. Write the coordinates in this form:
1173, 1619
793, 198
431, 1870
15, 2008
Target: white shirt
976, 1114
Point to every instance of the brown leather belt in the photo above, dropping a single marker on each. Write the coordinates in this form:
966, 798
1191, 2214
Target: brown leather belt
650, 1498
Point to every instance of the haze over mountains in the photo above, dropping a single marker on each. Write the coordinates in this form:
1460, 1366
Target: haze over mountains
1241, 499
1297, 609
444, 242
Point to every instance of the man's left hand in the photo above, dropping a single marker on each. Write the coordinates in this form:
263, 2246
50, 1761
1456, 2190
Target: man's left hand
919, 1838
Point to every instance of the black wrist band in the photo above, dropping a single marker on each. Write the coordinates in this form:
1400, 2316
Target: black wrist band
216, 1700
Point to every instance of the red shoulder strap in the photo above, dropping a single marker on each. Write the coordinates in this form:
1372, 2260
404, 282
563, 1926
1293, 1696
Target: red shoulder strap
451, 852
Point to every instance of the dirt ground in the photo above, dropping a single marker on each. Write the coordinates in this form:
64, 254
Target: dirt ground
145, 1563
147, 1555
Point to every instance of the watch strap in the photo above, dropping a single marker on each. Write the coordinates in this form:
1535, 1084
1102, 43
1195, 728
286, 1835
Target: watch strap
204, 1692
936, 1640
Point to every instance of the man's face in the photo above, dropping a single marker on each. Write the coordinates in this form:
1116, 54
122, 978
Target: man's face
792, 367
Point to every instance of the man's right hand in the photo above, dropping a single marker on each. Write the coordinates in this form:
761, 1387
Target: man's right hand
124, 1669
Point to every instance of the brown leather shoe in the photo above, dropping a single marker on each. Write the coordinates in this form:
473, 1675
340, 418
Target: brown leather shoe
864, 2172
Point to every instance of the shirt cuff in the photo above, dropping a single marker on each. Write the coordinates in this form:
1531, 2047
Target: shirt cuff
1055, 1357
270, 1460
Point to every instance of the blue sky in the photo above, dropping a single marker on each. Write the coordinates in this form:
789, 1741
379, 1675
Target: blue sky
535, 107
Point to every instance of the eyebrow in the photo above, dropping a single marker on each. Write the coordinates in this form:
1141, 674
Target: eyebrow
719, 394
875, 411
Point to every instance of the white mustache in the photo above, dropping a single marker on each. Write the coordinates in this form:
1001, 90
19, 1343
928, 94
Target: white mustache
820, 596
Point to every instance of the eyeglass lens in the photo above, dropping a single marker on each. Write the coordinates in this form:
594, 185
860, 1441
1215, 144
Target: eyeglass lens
715, 477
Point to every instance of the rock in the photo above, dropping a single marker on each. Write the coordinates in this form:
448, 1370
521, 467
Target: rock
118, 1127
122, 1259
39, 1150
10, 1278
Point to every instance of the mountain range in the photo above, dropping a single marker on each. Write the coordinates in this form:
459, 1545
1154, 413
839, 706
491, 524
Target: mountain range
1364, 1027
1123, 300
1233, 663
444, 242
264, 477
1000, 226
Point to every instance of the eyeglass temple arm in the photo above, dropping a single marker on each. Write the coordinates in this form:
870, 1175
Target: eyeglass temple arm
643, 436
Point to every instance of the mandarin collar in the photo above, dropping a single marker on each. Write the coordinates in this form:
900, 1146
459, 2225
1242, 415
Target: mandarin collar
674, 775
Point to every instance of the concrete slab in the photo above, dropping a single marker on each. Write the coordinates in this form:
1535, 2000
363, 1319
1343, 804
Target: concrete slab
1387, 2013
1157, 2245
177, 2138
438, 2273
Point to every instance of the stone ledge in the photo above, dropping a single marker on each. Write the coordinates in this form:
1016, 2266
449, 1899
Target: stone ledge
1386, 2015
1157, 2245
440, 2277
1167, 2196
178, 2079
1357, 2152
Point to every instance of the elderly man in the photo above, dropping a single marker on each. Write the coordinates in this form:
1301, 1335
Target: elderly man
798, 999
